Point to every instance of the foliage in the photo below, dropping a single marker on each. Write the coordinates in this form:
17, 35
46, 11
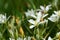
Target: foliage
29, 20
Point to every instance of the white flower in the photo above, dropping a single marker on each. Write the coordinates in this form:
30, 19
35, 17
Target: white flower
54, 18
45, 9
49, 38
57, 12
38, 20
30, 13
2, 18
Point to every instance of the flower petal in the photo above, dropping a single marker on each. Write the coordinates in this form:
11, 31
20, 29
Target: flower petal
44, 15
39, 15
48, 7
30, 13
32, 26
49, 38
42, 8
55, 12
54, 18
31, 21
27, 14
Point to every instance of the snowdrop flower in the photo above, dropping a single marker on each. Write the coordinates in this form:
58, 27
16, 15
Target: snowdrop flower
57, 12
53, 18
49, 38
39, 20
45, 9
30, 13
2, 18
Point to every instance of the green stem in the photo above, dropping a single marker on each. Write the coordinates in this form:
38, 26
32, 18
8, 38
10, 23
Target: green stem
27, 28
32, 4
49, 32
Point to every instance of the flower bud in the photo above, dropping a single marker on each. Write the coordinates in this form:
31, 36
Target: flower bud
21, 31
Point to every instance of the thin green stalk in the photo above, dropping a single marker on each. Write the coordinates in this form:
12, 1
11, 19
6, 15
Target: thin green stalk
27, 28
34, 7
49, 32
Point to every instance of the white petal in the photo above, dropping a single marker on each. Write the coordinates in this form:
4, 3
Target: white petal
51, 19
44, 15
27, 14
25, 39
39, 15
58, 34
49, 38
1, 21
55, 12
48, 7
32, 26
31, 21
54, 18
42, 7
32, 15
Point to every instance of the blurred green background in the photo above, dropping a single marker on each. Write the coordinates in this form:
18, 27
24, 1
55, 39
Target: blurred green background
18, 7
15, 7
